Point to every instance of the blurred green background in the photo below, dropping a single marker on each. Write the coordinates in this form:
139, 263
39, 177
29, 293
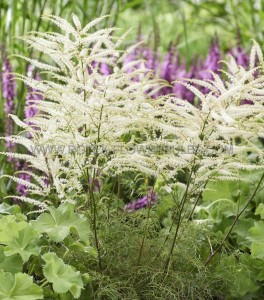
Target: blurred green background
191, 23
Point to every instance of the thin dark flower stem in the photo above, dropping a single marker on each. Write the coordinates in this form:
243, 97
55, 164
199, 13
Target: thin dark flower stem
183, 201
210, 257
167, 237
184, 198
197, 201
91, 186
93, 198
146, 227
194, 206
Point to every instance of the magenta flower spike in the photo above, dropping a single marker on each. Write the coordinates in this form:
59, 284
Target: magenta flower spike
242, 58
32, 98
21, 189
169, 68
240, 55
179, 89
211, 63
9, 94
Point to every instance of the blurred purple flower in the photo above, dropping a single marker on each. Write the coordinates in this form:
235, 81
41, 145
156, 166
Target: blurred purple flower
33, 96
9, 93
145, 54
21, 189
179, 89
211, 63
105, 69
240, 55
150, 199
242, 58
169, 68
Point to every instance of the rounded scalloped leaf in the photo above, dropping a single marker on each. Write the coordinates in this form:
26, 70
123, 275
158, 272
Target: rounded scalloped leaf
63, 277
18, 287
256, 236
59, 222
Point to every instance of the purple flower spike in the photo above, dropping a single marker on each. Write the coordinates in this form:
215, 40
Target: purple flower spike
33, 96
242, 58
144, 53
211, 63
240, 55
169, 68
9, 86
9, 93
150, 199
150, 59
21, 189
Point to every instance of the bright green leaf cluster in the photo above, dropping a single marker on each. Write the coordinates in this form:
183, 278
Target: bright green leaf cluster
63, 277
18, 287
59, 222
256, 235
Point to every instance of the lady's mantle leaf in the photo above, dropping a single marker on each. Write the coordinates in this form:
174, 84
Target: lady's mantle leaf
257, 238
256, 235
60, 221
6, 209
19, 238
12, 264
63, 277
18, 287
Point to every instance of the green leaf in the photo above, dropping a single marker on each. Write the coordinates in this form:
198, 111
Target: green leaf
18, 287
6, 209
63, 277
260, 210
19, 238
238, 275
61, 221
257, 239
12, 264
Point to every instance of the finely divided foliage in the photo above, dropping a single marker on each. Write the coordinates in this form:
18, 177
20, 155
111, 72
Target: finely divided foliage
95, 114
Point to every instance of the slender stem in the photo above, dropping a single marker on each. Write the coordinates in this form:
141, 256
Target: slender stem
146, 226
91, 187
179, 221
92, 194
45, 282
185, 196
167, 237
234, 222
197, 201
95, 231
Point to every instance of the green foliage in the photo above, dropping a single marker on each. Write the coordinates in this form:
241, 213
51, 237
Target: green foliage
59, 222
12, 264
63, 277
256, 235
6, 209
19, 238
18, 287
257, 239
238, 276
23, 247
